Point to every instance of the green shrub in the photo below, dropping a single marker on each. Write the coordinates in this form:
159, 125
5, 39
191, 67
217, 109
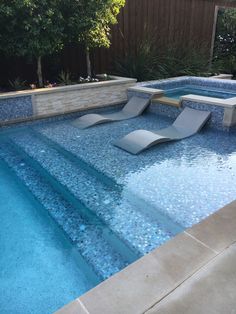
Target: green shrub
18, 84
225, 65
225, 41
64, 78
143, 65
152, 63
185, 61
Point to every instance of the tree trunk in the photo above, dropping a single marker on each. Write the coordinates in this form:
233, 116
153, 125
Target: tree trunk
88, 62
39, 71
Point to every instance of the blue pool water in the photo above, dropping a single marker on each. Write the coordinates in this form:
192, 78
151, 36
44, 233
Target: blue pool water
78, 209
176, 93
40, 270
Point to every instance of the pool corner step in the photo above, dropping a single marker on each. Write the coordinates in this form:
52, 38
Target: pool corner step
154, 213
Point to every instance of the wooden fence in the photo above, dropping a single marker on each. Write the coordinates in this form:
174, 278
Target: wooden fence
188, 22
167, 21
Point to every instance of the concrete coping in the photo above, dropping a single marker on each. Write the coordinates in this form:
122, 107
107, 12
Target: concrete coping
115, 80
170, 79
223, 76
145, 283
146, 90
226, 103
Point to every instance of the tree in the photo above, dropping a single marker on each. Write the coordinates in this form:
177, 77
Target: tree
225, 42
32, 28
36, 28
226, 32
99, 34
89, 23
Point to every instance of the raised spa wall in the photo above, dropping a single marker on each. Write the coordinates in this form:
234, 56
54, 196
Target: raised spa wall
26, 105
40, 103
223, 111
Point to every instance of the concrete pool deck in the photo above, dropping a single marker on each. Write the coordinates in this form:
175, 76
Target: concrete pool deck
195, 272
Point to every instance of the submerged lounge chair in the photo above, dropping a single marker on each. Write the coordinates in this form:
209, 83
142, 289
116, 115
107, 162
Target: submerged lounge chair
189, 122
134, 107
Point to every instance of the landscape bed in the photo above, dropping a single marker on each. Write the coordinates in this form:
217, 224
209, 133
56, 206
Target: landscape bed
45, 102
101, 203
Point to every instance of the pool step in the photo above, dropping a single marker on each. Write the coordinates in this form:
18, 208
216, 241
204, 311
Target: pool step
106, 203
91, 171
69, 182
167, 101
88, 233
95, 199
131, 198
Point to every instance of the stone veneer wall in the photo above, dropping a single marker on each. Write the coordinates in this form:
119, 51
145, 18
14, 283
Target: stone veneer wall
65, 101
25, 105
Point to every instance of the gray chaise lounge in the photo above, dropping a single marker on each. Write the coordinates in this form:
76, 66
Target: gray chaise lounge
134, 107
189, 122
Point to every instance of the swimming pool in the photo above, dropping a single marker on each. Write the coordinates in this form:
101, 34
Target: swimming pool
178, 92
87, 209
190, 85
41, 269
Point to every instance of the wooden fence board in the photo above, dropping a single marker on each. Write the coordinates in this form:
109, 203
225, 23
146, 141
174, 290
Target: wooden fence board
168, 21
